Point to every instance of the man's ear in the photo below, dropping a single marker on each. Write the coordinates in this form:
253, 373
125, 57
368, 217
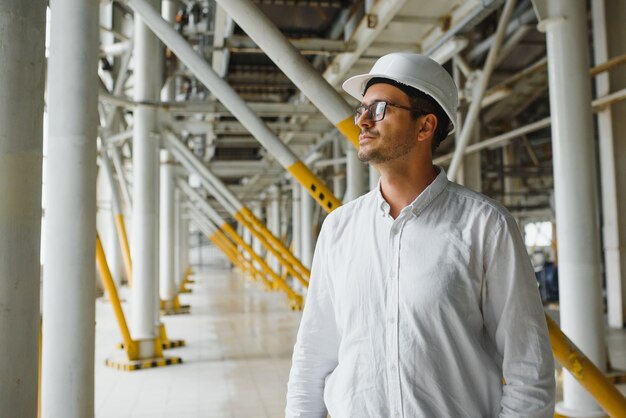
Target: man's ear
427, 127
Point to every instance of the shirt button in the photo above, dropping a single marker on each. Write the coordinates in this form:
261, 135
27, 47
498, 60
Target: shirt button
393, 369
396, 414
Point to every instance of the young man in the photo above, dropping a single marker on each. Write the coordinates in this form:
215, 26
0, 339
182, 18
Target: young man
422, 300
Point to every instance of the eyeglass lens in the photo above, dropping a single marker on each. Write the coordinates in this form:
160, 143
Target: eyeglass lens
375, 111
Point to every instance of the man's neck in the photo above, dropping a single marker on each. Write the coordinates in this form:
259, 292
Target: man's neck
401, 187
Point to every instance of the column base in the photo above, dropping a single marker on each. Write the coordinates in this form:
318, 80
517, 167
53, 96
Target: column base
132, 365
561, 411
173, 307
176, 310
165, 344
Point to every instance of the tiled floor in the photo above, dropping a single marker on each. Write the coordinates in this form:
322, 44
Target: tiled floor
235, 364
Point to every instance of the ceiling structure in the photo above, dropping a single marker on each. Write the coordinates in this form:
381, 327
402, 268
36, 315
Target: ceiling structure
341, 38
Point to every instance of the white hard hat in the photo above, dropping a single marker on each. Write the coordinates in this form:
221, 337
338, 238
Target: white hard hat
414, 70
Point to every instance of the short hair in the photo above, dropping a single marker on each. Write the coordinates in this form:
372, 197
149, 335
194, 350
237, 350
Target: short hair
423, 104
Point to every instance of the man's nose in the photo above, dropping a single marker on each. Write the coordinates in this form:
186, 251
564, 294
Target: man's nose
364, 120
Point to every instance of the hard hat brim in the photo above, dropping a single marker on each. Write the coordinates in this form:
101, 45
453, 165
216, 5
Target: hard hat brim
355, 85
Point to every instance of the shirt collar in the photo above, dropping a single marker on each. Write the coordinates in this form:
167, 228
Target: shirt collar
428, 194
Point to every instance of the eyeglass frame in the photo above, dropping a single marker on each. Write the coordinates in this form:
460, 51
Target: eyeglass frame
371, 115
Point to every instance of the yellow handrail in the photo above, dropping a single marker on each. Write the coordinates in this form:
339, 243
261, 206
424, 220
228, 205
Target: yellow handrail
587, 374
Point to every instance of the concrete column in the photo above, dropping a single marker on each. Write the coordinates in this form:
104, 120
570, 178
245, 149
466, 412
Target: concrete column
611, 131
145, 188
22, 29
355, 176
70, 229
565, 24
167, 272
273, 222
307, 244
296, 226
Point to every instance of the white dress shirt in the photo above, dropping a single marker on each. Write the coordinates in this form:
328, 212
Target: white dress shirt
422, 316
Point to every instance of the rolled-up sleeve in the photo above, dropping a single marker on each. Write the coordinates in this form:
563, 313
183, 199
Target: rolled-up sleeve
515, 321
316, 349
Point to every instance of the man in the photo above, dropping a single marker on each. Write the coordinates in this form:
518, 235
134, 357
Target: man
422, 300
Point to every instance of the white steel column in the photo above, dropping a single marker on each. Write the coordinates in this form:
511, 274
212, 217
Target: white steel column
611, 131
167, 272
70, 229
22, 59
273, 222
338, 181
168, 244
105, 221
575, 191
307, 244
296, 227
355, 176
184, 244
257, 210
145, 187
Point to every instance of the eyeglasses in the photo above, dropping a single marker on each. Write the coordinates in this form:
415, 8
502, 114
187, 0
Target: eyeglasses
376, 111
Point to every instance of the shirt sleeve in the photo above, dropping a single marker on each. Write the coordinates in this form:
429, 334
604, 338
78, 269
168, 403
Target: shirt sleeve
515, 321
317, 344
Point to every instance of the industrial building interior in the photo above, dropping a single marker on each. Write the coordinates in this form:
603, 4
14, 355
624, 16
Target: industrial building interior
201, 143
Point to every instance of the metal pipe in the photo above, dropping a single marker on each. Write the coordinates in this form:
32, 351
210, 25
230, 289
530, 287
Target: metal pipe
586, 372
575, 191
70, 217
472, 115
220, 88
285, 55
22, 75
145, 188
466, 23
503, 139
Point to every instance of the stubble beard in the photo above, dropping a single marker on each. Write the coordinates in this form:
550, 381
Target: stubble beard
388, 150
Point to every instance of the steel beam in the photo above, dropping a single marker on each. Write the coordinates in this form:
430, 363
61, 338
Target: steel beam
238, 107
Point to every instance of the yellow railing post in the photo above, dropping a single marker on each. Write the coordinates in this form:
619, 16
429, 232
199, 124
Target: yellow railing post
587, 374
129, 345
123, 237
